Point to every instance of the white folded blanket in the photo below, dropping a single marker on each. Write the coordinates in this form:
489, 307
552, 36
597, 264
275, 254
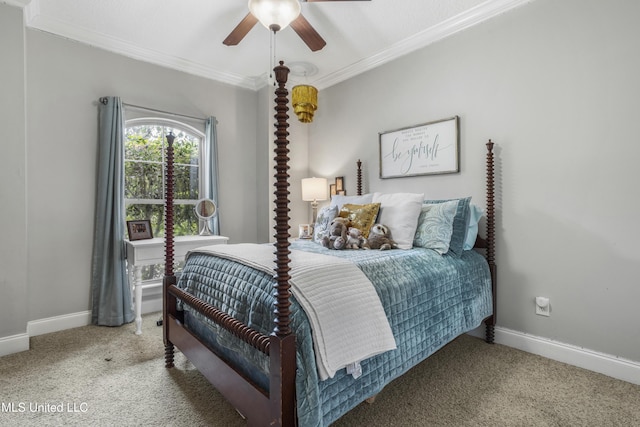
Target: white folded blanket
347, 319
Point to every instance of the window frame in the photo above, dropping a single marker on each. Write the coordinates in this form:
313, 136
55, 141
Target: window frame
165, 122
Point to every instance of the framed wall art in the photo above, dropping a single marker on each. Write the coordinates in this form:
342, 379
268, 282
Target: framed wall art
426, 149
305, 231
139, 229
338, 187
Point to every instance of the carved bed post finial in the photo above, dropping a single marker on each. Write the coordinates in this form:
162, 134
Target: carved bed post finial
282, 235
490, 205
359, 179
490, 323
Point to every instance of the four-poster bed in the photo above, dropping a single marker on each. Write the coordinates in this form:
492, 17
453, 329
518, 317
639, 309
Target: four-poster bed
268, 373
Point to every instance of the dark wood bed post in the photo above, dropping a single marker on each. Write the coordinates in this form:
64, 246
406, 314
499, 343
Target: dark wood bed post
282, 348
168, 300
359, 178
491, 257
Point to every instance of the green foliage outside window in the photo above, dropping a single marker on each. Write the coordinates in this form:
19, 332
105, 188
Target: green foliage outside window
144, 165
145, 150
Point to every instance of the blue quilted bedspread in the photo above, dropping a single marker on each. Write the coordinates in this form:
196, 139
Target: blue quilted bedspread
429, 300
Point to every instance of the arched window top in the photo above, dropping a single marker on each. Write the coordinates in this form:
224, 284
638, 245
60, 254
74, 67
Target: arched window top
161, 121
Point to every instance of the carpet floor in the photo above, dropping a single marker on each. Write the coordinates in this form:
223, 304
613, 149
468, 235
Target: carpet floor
99, 376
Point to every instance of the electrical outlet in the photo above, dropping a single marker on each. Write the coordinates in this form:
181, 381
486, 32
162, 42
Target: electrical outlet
543, 306
542, 311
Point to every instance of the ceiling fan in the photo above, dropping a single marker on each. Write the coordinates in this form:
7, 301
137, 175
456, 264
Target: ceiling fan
276, 15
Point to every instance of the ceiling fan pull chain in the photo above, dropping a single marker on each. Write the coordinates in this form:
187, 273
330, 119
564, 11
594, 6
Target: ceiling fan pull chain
272, 59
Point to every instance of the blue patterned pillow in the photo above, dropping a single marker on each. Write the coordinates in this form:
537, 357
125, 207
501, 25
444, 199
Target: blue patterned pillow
460, 224
435, 226
325, 216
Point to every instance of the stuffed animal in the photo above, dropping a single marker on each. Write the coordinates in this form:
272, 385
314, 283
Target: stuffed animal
337, 235
380, 238
355, 239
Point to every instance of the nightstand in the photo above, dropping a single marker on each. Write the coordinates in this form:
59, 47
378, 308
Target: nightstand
150, 252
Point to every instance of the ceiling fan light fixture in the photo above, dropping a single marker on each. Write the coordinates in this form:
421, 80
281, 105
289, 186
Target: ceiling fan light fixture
275, 14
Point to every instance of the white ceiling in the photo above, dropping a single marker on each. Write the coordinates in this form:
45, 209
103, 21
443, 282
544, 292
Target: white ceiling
187, 34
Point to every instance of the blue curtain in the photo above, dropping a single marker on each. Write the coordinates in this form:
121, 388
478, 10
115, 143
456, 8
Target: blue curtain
111, 295
210, 157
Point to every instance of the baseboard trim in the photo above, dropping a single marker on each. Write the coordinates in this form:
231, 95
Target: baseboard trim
612, 366
152, 305
14, 344
17, 343
58, 323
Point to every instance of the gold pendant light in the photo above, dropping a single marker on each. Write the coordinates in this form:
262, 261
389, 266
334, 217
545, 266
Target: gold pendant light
304, 99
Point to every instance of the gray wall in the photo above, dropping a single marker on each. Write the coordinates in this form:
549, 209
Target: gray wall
264, 169
49, 113
300, 212
13, 179
555, 85
64, 81
47, 271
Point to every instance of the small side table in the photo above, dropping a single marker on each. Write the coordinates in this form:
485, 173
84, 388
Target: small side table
151, 251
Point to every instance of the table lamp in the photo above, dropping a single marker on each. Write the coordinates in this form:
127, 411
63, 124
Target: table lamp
314, 189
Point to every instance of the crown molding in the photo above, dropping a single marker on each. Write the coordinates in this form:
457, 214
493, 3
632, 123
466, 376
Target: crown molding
18, 3
31, 11
122, 47
476, 15
473, 16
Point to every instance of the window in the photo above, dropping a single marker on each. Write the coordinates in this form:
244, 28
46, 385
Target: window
144, 174
144, 165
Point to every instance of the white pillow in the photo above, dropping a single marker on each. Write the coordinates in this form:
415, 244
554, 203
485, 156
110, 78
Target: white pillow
339, 201
400, 212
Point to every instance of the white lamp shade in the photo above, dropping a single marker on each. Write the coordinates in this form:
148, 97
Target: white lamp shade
275, 14
314, 189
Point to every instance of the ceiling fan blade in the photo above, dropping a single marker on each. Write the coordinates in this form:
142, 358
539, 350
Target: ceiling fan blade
307, 33
241, 30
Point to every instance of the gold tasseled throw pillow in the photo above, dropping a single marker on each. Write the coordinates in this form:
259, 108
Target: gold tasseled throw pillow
361, 217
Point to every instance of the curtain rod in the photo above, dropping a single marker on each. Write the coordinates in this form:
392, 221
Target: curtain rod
103, 100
